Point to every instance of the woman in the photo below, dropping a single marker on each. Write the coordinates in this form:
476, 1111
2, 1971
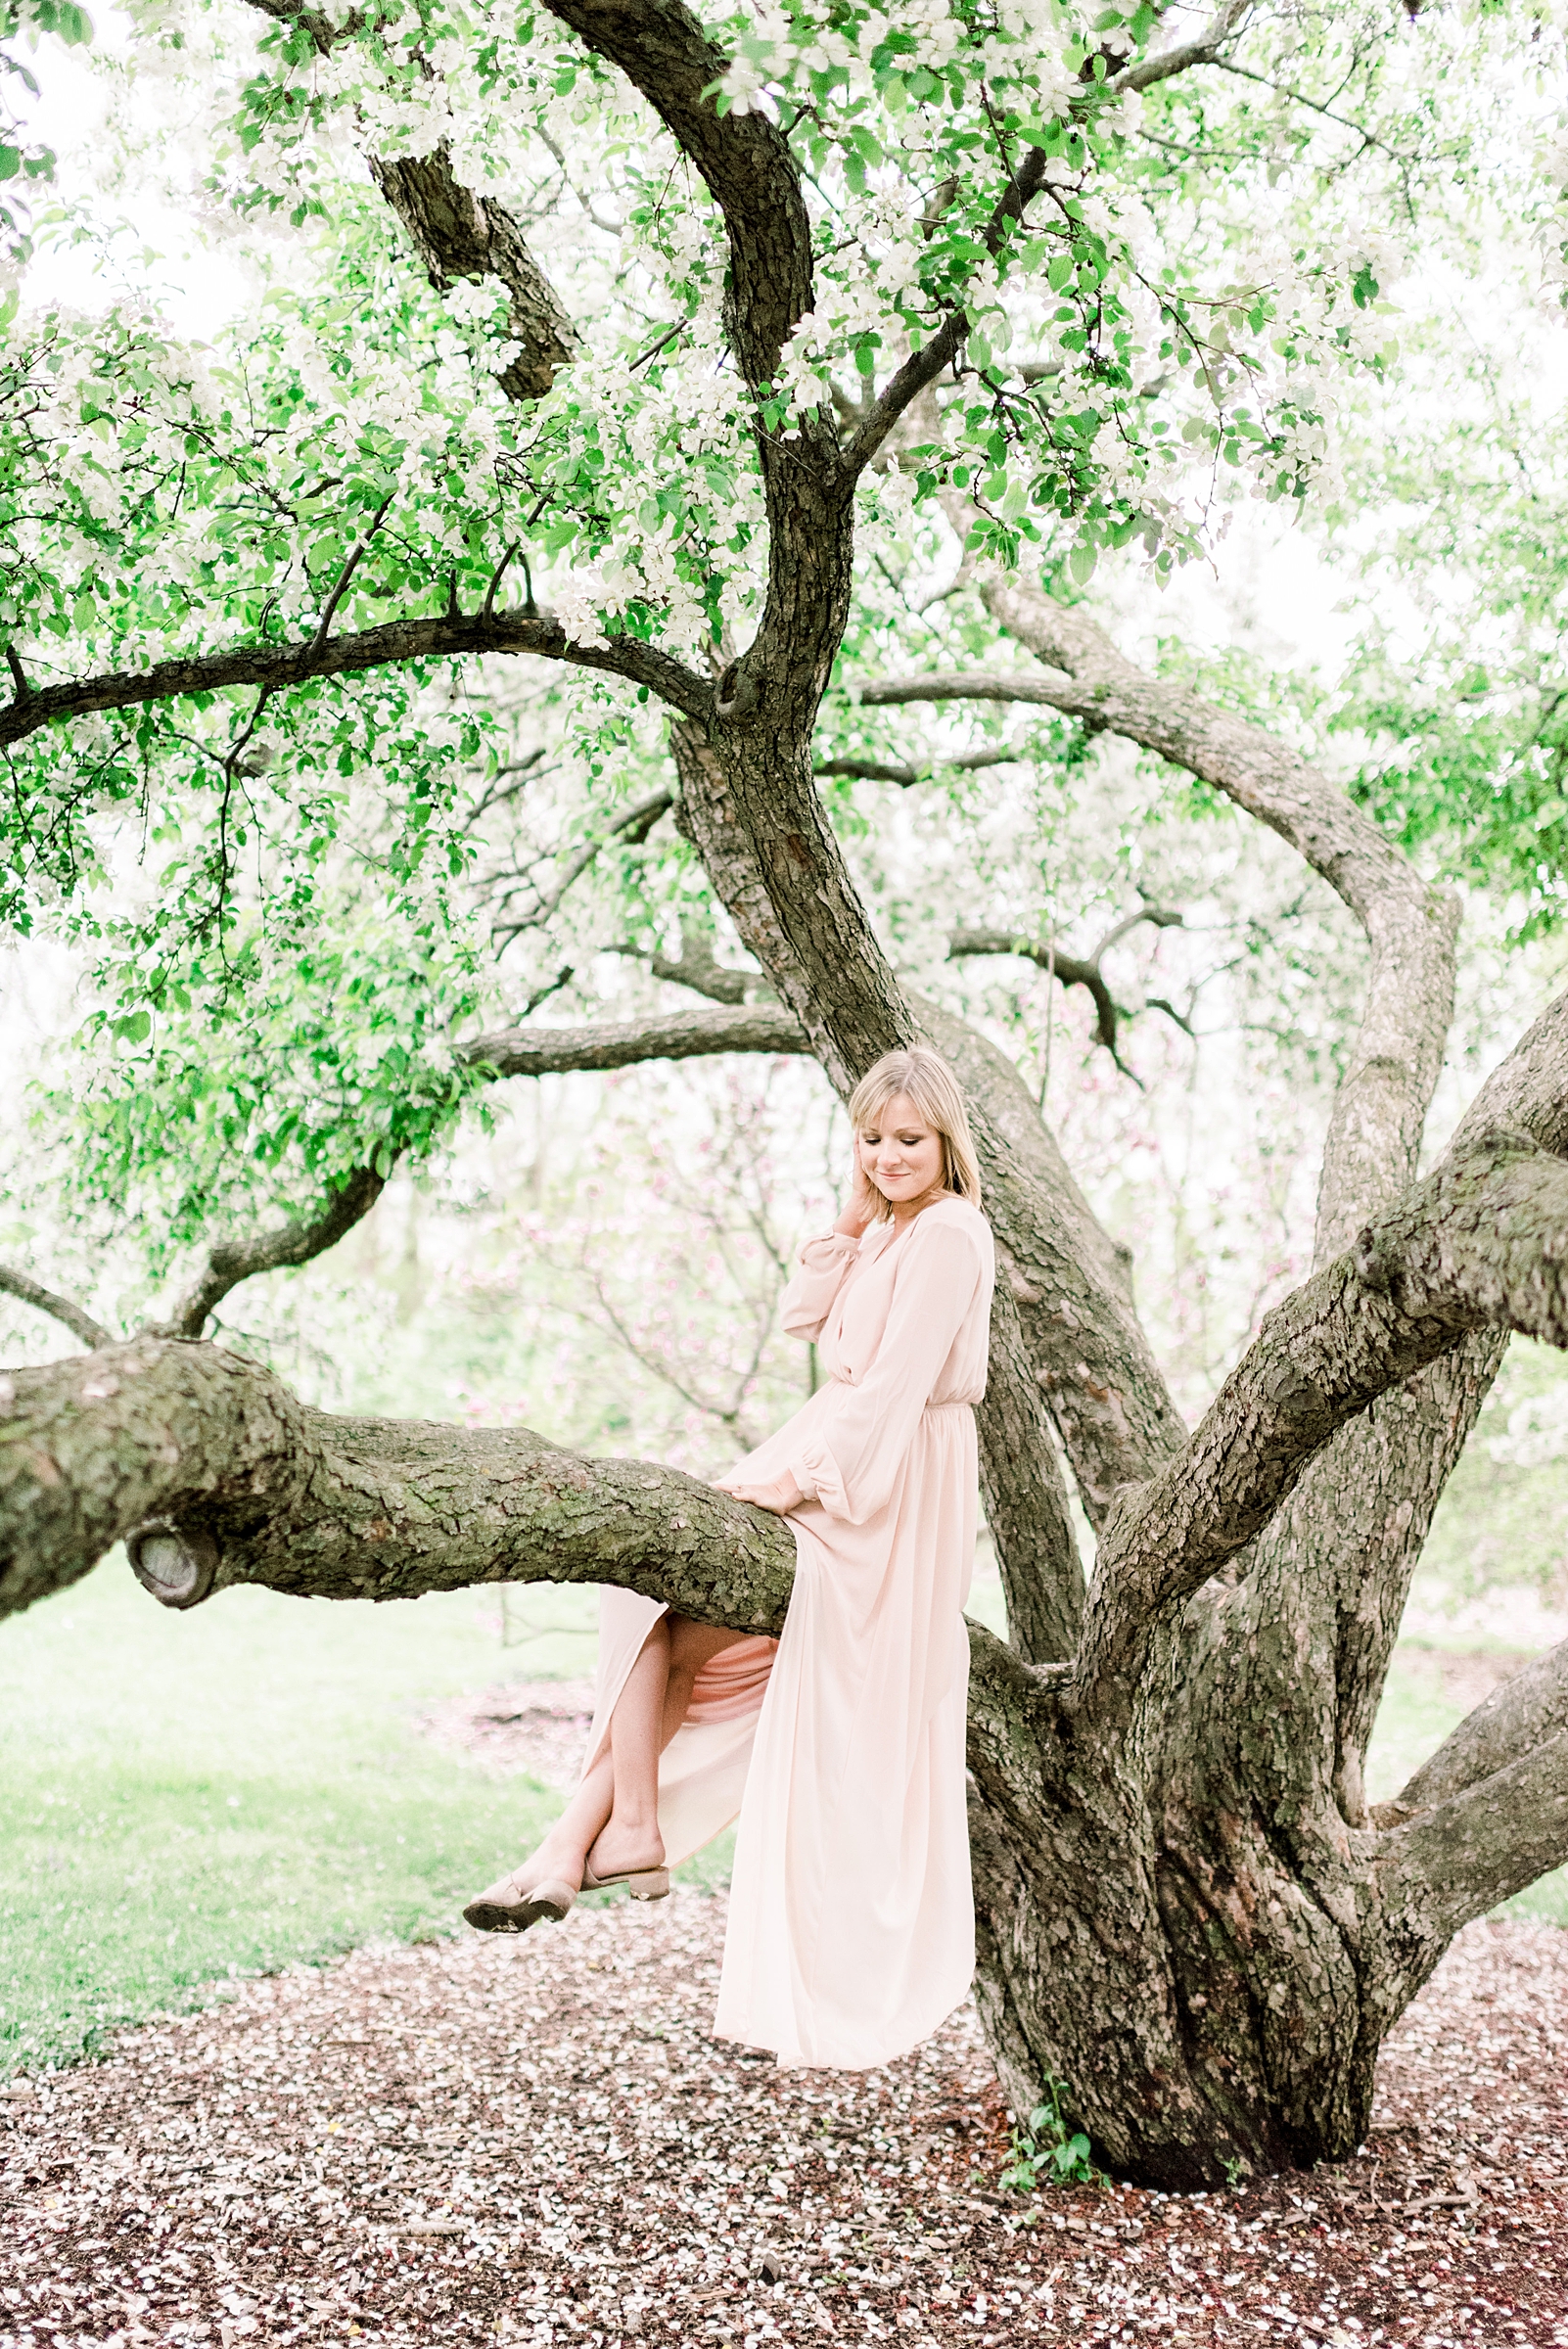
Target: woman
842, 1745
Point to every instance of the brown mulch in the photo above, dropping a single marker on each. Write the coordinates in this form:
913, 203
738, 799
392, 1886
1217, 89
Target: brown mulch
539, 2141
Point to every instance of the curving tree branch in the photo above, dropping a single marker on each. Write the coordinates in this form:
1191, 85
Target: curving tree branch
64, 1309
923, 366
230, 1261
460, 235
1523, 1711
697, 968
1204, 50
1410, 928
276, 666
744, 159
1459, 1859
1069, 969
1481, 1242
633, 827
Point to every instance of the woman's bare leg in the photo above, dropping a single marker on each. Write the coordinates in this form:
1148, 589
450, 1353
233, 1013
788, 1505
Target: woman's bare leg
640, 1731
614, 1814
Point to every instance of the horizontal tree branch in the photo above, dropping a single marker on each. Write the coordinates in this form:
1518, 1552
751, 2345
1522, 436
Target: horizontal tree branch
696, 967
1482, 1241
64, 1310
1054, 688
230, 1261
207, 1462
277, 666
617, 1044
876, 770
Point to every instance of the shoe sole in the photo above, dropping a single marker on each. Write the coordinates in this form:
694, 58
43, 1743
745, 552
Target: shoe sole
492, 1916
643, 1884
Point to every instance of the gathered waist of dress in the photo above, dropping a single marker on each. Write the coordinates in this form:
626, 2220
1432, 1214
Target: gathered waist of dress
834, 1380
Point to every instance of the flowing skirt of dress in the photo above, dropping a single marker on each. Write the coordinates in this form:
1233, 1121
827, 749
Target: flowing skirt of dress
702, 1772
852, 1920
851, 1932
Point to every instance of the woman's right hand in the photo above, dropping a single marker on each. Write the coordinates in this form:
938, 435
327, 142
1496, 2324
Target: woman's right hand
861, 1208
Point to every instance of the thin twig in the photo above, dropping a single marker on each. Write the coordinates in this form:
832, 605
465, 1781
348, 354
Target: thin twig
345, 574
653, 349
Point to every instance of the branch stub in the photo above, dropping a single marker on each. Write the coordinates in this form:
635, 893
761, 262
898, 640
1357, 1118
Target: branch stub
177, 1565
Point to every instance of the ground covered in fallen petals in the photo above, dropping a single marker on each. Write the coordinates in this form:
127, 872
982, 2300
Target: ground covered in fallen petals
540, 2141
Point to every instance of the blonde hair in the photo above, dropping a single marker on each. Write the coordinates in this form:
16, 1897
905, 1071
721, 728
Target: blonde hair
925, 1076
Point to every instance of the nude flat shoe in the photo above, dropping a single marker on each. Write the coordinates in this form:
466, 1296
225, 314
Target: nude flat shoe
505, 1908
643, 1883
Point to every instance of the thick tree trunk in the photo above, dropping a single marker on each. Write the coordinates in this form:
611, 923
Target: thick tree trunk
1183, 1911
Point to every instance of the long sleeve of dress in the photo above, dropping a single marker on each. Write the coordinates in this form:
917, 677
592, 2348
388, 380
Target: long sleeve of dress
849, 1462
818, 1278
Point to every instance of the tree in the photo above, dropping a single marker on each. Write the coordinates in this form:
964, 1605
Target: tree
932, 280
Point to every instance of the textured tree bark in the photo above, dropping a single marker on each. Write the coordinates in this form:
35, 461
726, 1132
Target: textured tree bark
206, 1450
461, 235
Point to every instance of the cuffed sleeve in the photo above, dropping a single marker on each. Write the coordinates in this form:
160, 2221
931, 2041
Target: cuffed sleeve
818, 1278
850, 1460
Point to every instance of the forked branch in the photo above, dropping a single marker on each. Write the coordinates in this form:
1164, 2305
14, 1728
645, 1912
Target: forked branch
1481, 1242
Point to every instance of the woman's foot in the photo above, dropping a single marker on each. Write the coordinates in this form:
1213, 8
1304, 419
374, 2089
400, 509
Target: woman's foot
634, 1857
534, 1893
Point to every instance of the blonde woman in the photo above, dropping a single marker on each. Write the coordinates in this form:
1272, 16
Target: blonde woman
841, 1745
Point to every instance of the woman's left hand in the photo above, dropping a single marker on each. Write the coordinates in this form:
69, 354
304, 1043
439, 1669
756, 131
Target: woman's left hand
781, 1496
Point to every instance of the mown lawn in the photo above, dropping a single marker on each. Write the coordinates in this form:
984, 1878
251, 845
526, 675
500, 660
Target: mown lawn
189, 1797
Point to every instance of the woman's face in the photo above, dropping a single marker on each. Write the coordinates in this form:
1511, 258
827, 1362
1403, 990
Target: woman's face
901, 1153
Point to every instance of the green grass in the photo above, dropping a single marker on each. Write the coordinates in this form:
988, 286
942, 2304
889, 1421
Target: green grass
1413, 1722
191, 1796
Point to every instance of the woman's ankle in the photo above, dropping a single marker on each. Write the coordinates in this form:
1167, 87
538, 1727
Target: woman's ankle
635, 1832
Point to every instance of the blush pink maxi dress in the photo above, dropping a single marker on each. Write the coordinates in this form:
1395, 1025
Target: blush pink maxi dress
841, 1745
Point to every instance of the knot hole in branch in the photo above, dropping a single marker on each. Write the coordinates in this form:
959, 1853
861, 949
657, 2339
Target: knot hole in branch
177, 1564
735, 696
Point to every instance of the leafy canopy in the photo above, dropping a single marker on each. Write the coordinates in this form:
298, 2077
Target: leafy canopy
285, 897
